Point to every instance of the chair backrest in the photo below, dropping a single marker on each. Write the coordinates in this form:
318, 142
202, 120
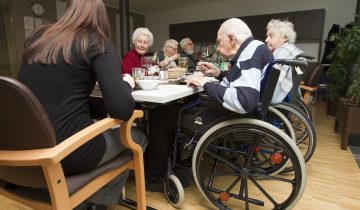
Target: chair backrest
313, 79
24, 123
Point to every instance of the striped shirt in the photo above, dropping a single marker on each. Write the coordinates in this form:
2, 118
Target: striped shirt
239, 89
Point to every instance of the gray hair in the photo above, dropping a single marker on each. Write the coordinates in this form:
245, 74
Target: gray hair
238, 27
285, 28
184, 41
143, 31
170, 41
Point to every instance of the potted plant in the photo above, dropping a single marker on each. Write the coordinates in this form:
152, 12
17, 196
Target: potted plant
343, 59
348, 109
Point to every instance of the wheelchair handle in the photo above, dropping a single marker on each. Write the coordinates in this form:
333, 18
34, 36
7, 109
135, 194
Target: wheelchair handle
306, 56
291, 62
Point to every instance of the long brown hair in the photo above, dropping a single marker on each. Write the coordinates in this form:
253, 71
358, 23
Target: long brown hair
81, 21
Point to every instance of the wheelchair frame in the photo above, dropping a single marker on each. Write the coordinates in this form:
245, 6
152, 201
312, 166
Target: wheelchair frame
173, 188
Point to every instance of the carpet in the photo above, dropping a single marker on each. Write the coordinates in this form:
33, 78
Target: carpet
356, 153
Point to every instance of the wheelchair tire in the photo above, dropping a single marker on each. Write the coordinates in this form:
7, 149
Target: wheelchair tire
304, 129
303, 107
240, 182
174, 191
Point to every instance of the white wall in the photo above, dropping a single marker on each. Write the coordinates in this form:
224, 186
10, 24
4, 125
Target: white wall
337, 12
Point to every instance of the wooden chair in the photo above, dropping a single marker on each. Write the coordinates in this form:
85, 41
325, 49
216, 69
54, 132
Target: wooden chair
309, 85
30, 158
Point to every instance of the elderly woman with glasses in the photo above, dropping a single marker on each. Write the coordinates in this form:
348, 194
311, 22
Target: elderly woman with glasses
280, 39
142, 40
169, 55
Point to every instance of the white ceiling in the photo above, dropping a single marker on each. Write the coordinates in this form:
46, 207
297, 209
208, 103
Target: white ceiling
150, 6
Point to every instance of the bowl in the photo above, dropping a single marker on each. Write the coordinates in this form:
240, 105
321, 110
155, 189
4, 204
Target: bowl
148, 84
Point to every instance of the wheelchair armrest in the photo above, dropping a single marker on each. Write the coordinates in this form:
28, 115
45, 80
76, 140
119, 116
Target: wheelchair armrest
311, 89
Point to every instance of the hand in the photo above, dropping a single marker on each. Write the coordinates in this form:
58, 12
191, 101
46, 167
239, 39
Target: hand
129, 79
174, 57
197, 80
209, 68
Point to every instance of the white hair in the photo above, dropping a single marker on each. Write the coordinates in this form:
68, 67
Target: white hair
238, 27
183, 42
143, 31
285, 28
170, 41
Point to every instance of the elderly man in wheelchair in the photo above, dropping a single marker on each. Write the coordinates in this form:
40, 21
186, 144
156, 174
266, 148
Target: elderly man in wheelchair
235, 156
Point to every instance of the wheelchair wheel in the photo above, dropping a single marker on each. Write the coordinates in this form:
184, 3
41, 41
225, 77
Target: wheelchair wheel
174, 191
279, 120
276, 118
304, 130
229, 175
303, 107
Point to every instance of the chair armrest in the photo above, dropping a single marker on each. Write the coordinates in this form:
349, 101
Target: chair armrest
56, 154
312, 89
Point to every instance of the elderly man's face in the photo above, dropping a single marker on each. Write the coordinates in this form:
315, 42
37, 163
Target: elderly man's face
142, 44
189, 47
224, 46
274, 39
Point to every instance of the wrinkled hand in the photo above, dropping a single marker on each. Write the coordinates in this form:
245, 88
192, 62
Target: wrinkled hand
209, 68
197, 80
129, 79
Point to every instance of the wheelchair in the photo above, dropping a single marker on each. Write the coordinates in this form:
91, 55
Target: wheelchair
295, 111
235, 159
294, 97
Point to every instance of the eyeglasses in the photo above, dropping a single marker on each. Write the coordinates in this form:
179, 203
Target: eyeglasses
219, 40
190, 44
175, 49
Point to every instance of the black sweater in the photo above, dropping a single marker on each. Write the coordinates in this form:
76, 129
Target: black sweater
64, 91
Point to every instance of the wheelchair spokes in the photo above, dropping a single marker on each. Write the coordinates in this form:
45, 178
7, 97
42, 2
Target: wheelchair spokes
232, 169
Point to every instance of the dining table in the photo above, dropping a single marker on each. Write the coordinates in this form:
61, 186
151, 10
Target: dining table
148, 99
162, 94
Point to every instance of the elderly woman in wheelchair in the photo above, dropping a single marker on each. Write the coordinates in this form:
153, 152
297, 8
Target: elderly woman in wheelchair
235, 156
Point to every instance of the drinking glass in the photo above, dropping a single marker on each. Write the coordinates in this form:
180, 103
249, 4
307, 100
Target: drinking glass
163, 74
145, 61
183, 62
138, 73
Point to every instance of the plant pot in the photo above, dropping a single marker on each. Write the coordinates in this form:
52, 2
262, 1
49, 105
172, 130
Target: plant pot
347, 121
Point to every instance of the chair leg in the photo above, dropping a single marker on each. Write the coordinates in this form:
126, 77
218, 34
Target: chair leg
140, 181
132, 204
306, 97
